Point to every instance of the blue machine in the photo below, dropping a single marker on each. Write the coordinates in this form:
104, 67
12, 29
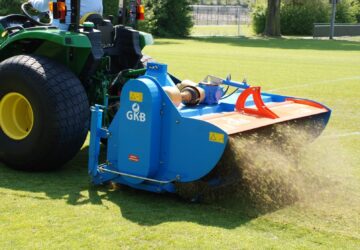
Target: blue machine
152, 143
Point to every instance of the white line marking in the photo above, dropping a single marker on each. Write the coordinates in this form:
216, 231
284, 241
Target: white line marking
318, 83
357, 133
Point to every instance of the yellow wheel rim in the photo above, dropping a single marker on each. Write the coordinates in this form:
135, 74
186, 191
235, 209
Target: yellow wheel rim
16, 116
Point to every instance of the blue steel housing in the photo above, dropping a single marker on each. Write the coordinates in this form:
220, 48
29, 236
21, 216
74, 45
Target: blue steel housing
152, 143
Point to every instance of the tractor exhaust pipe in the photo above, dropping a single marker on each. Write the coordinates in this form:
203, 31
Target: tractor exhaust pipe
75, 15
122, 12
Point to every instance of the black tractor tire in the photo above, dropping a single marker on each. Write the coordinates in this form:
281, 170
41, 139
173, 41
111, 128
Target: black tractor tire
60, 110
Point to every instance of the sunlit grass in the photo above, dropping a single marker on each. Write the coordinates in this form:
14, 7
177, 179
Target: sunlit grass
222, 30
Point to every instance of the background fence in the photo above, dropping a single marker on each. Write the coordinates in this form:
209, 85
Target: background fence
220, 20
220, 15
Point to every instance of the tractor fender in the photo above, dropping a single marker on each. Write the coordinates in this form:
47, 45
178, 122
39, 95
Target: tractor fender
67, 39
68, 48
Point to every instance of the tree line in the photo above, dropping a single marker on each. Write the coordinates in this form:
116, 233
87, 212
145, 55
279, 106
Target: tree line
297, 17
172, 18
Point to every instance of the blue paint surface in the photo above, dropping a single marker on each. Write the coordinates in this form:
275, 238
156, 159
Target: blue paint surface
157, 142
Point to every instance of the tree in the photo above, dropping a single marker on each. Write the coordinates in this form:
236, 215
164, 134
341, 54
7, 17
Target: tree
9, 7
272, 26
169, 18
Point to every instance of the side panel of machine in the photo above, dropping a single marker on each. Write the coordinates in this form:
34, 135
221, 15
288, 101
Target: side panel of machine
190, 148
138, 144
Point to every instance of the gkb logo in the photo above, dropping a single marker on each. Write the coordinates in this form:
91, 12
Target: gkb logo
135, 114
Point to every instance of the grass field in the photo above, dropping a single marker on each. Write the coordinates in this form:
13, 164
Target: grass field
62, 209
222, 30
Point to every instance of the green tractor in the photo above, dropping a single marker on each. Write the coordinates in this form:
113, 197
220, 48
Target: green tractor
49, 77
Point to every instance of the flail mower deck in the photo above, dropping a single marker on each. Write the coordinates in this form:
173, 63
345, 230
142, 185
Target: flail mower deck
168, 132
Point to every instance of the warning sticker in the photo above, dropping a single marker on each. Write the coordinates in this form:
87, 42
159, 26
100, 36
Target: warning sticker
216, 137
134, 158
136, 96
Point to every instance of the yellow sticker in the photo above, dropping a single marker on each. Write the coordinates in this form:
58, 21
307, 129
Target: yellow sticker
136, 96
216, 137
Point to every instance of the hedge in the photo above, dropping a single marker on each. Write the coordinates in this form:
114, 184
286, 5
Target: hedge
298, 17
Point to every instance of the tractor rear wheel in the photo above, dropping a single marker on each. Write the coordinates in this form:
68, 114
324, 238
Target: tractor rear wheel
44, 113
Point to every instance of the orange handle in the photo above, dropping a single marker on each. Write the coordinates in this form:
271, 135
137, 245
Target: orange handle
261, 110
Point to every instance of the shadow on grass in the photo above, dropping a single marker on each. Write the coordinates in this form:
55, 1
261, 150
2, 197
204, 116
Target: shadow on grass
283, 43
143, 208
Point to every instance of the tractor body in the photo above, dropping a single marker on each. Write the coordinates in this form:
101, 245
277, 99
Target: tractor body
87, 51
38, 103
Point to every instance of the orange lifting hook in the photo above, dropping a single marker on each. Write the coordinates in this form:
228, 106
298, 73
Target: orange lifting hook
261, 110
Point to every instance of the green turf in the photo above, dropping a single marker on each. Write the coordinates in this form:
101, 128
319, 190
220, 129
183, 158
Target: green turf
62, 210
222, 30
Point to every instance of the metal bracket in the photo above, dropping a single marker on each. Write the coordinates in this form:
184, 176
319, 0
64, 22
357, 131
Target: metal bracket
102, 168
